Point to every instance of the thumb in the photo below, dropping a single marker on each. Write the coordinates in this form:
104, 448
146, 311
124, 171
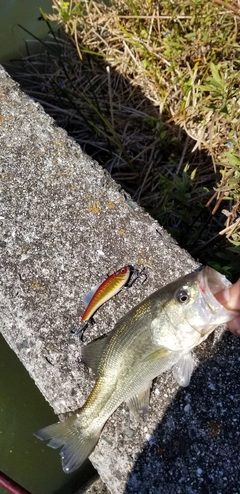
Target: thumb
230, 299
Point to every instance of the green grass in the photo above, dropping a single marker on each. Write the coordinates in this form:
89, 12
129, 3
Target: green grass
151, 90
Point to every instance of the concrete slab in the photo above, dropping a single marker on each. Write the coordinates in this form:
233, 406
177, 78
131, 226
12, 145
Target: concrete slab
94, 486
64, 225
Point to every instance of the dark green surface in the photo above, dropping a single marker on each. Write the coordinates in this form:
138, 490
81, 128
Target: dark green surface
22, 456
15, 14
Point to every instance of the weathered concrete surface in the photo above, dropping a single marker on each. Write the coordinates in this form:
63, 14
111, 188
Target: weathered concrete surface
64, 225
94, 486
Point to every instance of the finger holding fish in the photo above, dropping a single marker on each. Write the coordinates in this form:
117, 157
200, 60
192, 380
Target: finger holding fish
230, 298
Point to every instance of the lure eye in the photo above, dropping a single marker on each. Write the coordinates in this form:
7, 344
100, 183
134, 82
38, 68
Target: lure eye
182, 296
122, 270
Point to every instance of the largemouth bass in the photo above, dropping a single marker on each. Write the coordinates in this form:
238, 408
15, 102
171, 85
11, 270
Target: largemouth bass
156, 335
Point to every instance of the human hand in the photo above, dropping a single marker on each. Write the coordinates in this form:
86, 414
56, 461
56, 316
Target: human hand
230, 298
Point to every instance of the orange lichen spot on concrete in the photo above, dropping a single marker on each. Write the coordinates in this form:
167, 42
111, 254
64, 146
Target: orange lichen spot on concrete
35, 285
94, 207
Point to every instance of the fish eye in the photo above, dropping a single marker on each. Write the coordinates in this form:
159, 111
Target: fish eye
182, 296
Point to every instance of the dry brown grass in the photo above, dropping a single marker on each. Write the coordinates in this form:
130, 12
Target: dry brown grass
183, 58
152, 92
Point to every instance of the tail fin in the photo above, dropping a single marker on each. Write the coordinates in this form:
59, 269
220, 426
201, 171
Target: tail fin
77, 444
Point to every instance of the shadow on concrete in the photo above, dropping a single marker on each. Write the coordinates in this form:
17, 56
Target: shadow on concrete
195, 448
138, 126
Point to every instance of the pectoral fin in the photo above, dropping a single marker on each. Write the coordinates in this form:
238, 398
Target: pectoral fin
183, 369
138, 404
157, 354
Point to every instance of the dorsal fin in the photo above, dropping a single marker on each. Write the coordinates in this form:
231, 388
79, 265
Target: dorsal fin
92, 353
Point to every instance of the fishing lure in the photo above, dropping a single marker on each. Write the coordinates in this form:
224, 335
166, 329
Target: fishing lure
100, 294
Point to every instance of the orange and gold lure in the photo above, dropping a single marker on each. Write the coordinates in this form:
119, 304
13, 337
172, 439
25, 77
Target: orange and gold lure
125, 276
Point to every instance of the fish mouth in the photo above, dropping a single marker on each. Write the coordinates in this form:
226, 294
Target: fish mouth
210, 283
214, 281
